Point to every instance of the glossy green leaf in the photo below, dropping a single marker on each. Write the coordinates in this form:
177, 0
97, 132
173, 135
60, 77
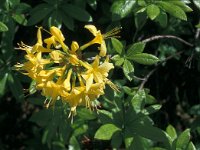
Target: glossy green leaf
197, 3
138, 101
3, 80
135, 48
151, 132
118, 60
77, 12
162, 19
151, 109
3, 27
117, 45
144, 58
20, 18
182, 5
106, 131
122, 8
191, 146
183, 139
173, 10
153, 11
15, 87
171, 132
39, 13
105, 116
128, 69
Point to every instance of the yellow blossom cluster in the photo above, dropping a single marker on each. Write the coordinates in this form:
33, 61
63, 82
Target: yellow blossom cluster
61, 73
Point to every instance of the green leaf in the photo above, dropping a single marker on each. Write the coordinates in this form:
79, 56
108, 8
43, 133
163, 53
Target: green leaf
15, 87
140, 20
32, 88
74, 143
191, 146
137, 144
3, 79
67, 20
92, 3
122, 8
20, 18
55, 19
183, 139
144, 58
117, 45
151, 109
153, 11
151, 132
86, 114
197, 3
135, 48
105, 116
173, 10
195, 110
77, 12
127, 69
198, 25
162, 19
42, 117
138, 101
39, 13
22, 8
106, 131
118, 60
182, 5
171, 132
116, 140
3, 27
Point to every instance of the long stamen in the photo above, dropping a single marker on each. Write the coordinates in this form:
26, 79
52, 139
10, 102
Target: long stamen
113, 32
44, 30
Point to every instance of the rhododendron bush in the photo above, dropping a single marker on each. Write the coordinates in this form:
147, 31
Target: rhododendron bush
118, 74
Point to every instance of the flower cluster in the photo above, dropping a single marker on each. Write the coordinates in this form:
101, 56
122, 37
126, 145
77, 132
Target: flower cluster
60, 72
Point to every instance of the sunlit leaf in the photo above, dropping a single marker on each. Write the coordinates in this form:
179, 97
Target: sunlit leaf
106, 131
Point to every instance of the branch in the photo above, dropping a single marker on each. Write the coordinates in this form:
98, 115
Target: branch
156, 37
145, 79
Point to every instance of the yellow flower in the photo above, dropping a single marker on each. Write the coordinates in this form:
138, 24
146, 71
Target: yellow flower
74, 47
57, 39
96, 72
57, 56
34, 65
43, 77
79, 96
99, 39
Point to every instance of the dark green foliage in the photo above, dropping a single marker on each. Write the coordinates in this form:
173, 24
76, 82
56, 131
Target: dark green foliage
157, 107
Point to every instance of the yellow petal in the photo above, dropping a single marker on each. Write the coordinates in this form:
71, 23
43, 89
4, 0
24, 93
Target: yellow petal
67, 83
92, 29
39, 36
103, 49
57, 33
74, 46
